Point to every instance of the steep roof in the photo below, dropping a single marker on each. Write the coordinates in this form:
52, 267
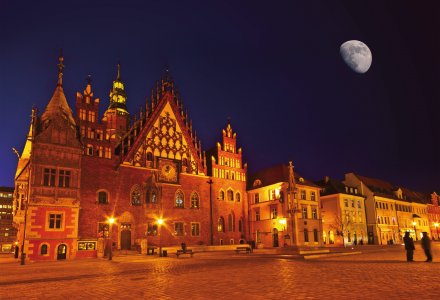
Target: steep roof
275, 174
58, 106
332, 186
386, 189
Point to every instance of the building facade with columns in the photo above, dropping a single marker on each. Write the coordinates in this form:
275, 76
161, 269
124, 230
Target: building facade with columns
77, 172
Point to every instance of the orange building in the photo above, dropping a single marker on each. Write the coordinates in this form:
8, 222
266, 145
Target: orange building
343, 213
434, 215
284, 209
77, 173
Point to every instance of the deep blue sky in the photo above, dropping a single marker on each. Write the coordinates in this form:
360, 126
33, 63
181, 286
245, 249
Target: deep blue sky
272, 67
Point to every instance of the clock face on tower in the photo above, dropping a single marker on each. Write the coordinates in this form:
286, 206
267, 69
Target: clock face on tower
168, 171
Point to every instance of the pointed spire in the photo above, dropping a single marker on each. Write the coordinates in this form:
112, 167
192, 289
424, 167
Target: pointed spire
119, 72
204, 159
60, 68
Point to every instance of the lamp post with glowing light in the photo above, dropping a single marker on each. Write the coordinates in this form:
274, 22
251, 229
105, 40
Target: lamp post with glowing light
110, 221
160, 222
415, 231
436, 228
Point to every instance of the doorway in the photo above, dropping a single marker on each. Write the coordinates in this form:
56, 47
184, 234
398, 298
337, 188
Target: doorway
275, 237
125, 239
61, 252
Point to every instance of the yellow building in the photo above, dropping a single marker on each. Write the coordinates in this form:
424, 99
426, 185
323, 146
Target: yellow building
284, 209
343, 214
391, 211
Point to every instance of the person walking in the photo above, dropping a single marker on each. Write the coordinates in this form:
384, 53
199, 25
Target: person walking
426, 245
409, 246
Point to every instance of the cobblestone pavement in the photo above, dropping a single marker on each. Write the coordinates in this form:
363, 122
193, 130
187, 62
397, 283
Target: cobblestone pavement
375, 274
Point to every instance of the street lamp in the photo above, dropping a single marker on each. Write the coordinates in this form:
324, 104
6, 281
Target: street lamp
436, 228
160, 222
415, 231
110, 221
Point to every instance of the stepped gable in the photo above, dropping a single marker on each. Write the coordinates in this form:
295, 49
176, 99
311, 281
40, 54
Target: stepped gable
165, 130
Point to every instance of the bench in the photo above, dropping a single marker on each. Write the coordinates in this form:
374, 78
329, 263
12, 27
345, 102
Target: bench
150, 250
181, 252
246, 249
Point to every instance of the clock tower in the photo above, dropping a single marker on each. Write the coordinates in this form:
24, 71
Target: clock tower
117, 116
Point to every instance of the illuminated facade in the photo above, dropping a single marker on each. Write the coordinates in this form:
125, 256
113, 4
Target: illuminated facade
284, 209
8, 234
391, 211
76, 173
343, 214
434, 215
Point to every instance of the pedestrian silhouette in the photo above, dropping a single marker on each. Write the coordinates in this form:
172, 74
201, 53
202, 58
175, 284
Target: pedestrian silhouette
409, 246
426, 245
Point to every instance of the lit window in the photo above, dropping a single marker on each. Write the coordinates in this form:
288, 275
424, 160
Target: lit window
152, 229
274, 212
221, 225
103, 229
304, 212
195, 229
179, 203
136, 196
257, 215
303, 195
312, 196
221, 195
315, 213
195, 203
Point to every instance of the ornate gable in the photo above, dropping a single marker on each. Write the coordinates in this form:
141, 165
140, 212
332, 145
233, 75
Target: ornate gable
166, 134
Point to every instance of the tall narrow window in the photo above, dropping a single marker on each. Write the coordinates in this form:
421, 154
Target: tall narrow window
304, 212
257, 198
178, 228
257, 215
151, 196
312, 196
303, 195
315, 235
306, 235
273, 212
102, 197
178, 202
221, 225
230, 195
230, 222
64, 178
136, 196
49, 177
240, 225
221, 195
195, 203
195, 229
315, 213
237, 197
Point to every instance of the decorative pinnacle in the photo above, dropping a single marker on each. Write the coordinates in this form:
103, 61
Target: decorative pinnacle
60, 68
89, 79
119, 72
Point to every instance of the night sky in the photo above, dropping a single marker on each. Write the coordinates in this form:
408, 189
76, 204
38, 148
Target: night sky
273, 67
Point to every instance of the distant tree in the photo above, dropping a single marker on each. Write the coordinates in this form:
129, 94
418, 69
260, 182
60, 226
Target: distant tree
342, 226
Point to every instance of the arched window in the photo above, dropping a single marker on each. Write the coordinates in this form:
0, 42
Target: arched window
43, 249
237, 197
221, 225
102, 197
152, 196
195, 202
230, 195
240, 225
221, 195
231, 222
149, 156
136, 195
179, 199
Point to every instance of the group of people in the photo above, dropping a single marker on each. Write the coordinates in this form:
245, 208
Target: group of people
409, 246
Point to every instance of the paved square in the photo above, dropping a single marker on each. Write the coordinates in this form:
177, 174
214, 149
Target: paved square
377, 273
